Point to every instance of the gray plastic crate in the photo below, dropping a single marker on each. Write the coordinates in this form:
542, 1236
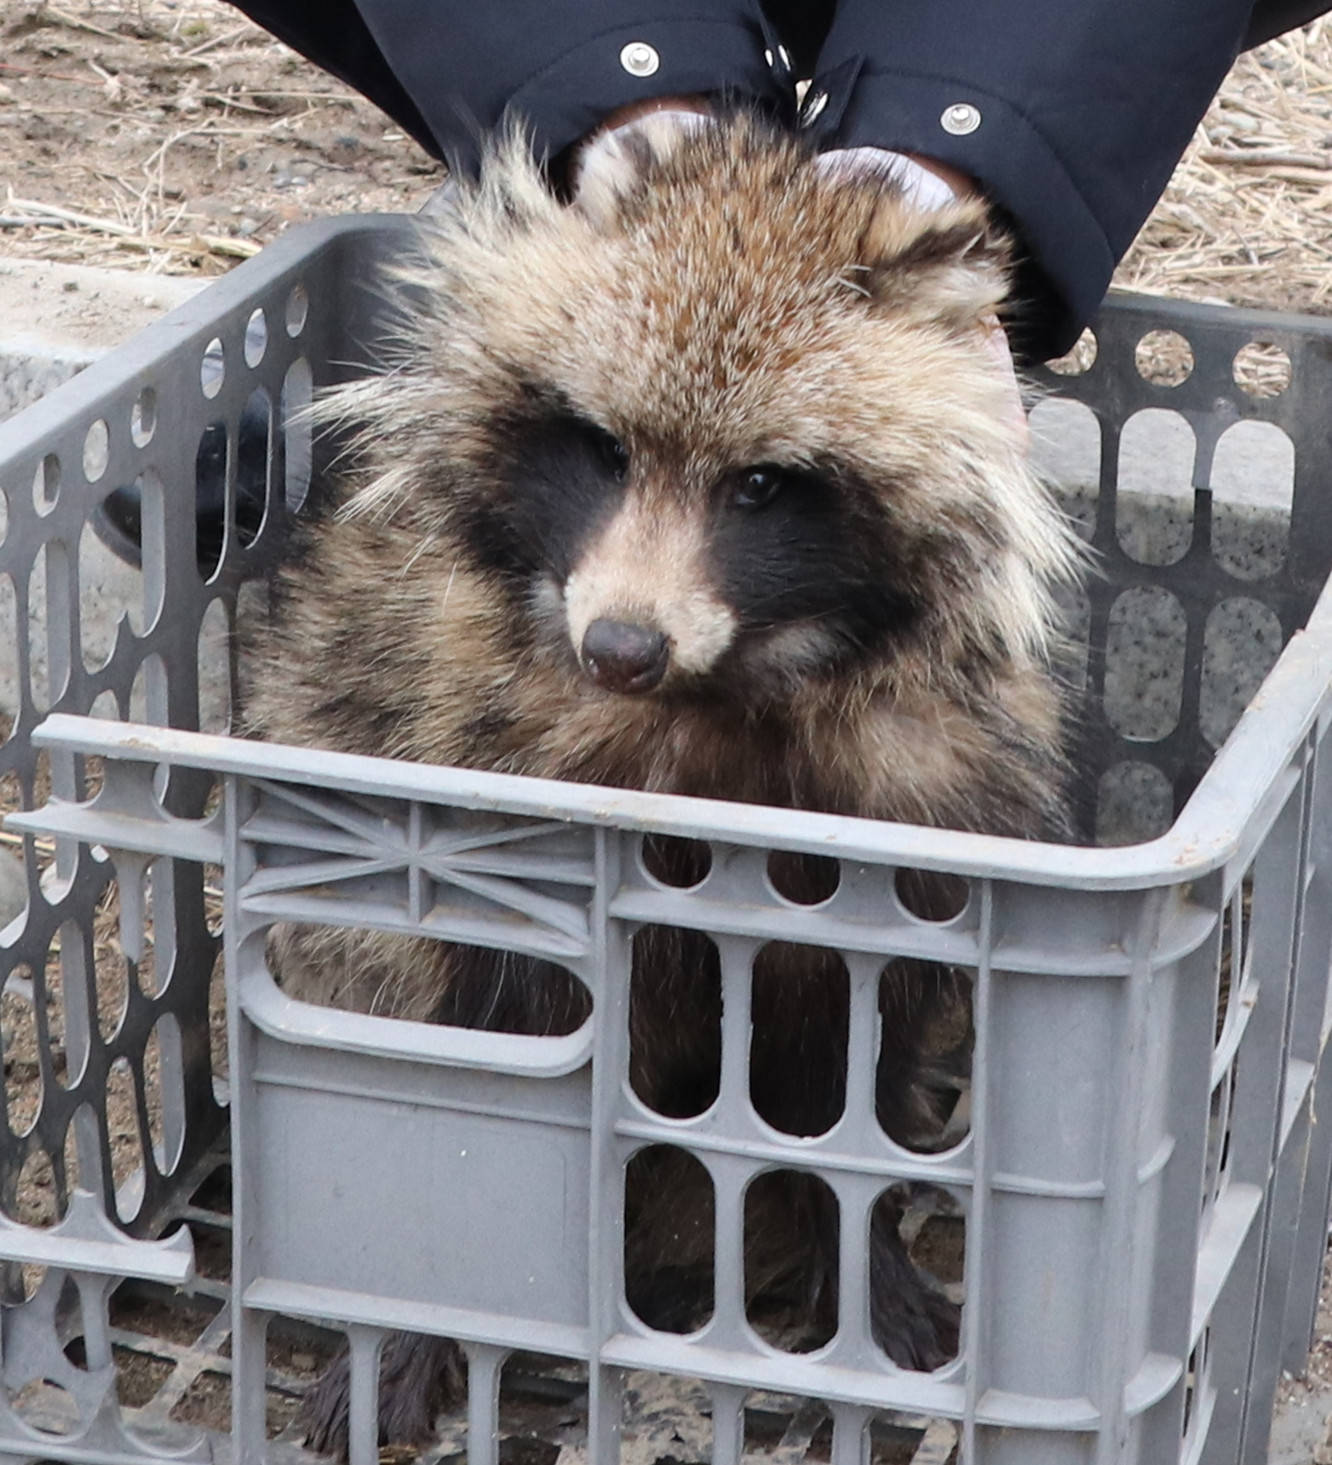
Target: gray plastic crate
1143, 1189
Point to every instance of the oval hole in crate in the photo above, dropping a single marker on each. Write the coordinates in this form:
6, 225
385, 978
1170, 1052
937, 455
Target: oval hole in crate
799, 1014
297, 432
70, 1156
152, 539
1134, 802
105, 706
1253, 488
164, 1092
217, 1021
674, 1021
453, 984
803, 879
1261, 369
212, 368
252, 441
1241, 643
46, 482
13, 873
122, 1122
109, 591
919, 1231
931, 896
669, 1239
298, 309
678, 863
96, 451
514, 995
1154, 493
792, 1221
924, 1024
1144, 663
47, 665
1079, 358
113, 978
155, 888
67, 1000
143, 418
206, 1404
1066, 452
9, 662
1234, 968
1197, 1378
1163, 358
256, 337
210, 488
23, 1074
148, 692
38, 684
215, 669
38, 1204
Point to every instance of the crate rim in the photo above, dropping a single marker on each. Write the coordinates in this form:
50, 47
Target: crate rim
1222, 817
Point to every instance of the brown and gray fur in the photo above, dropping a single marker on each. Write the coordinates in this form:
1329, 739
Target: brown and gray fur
592, 406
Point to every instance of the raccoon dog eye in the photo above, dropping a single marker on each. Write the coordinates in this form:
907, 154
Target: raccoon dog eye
757, 487
612, 452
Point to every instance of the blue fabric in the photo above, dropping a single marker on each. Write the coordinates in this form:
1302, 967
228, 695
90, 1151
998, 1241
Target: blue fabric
1085, 105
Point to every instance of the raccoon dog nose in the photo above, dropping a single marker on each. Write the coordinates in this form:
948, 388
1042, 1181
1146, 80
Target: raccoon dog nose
623, 657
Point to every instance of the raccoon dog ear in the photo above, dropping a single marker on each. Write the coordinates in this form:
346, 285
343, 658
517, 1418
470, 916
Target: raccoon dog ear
613, 164
949, 264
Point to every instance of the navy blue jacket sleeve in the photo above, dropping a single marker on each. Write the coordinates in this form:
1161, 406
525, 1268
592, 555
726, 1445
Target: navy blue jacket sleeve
1070, 113
1071, 116
561, 67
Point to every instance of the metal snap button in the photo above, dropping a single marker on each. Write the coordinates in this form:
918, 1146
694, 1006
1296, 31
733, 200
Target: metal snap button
639, 59
960, 119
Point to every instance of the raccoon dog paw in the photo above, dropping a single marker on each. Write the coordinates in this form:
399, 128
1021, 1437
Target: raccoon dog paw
913, 1322
418, 1377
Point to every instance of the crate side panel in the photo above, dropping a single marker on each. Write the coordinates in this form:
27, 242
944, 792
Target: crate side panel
473, 1198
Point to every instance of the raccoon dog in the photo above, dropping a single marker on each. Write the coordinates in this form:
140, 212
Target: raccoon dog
704, 485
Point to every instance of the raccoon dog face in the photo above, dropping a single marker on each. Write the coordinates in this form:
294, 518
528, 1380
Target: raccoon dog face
722, 428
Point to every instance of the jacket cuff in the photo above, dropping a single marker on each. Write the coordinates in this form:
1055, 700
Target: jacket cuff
569, 96
1065, 260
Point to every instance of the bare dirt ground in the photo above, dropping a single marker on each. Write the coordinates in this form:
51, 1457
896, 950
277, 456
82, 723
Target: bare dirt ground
173, 135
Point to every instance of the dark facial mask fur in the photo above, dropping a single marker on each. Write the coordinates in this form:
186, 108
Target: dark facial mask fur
706, 485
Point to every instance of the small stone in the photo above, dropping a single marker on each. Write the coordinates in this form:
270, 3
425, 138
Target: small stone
70, 287
6, 93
